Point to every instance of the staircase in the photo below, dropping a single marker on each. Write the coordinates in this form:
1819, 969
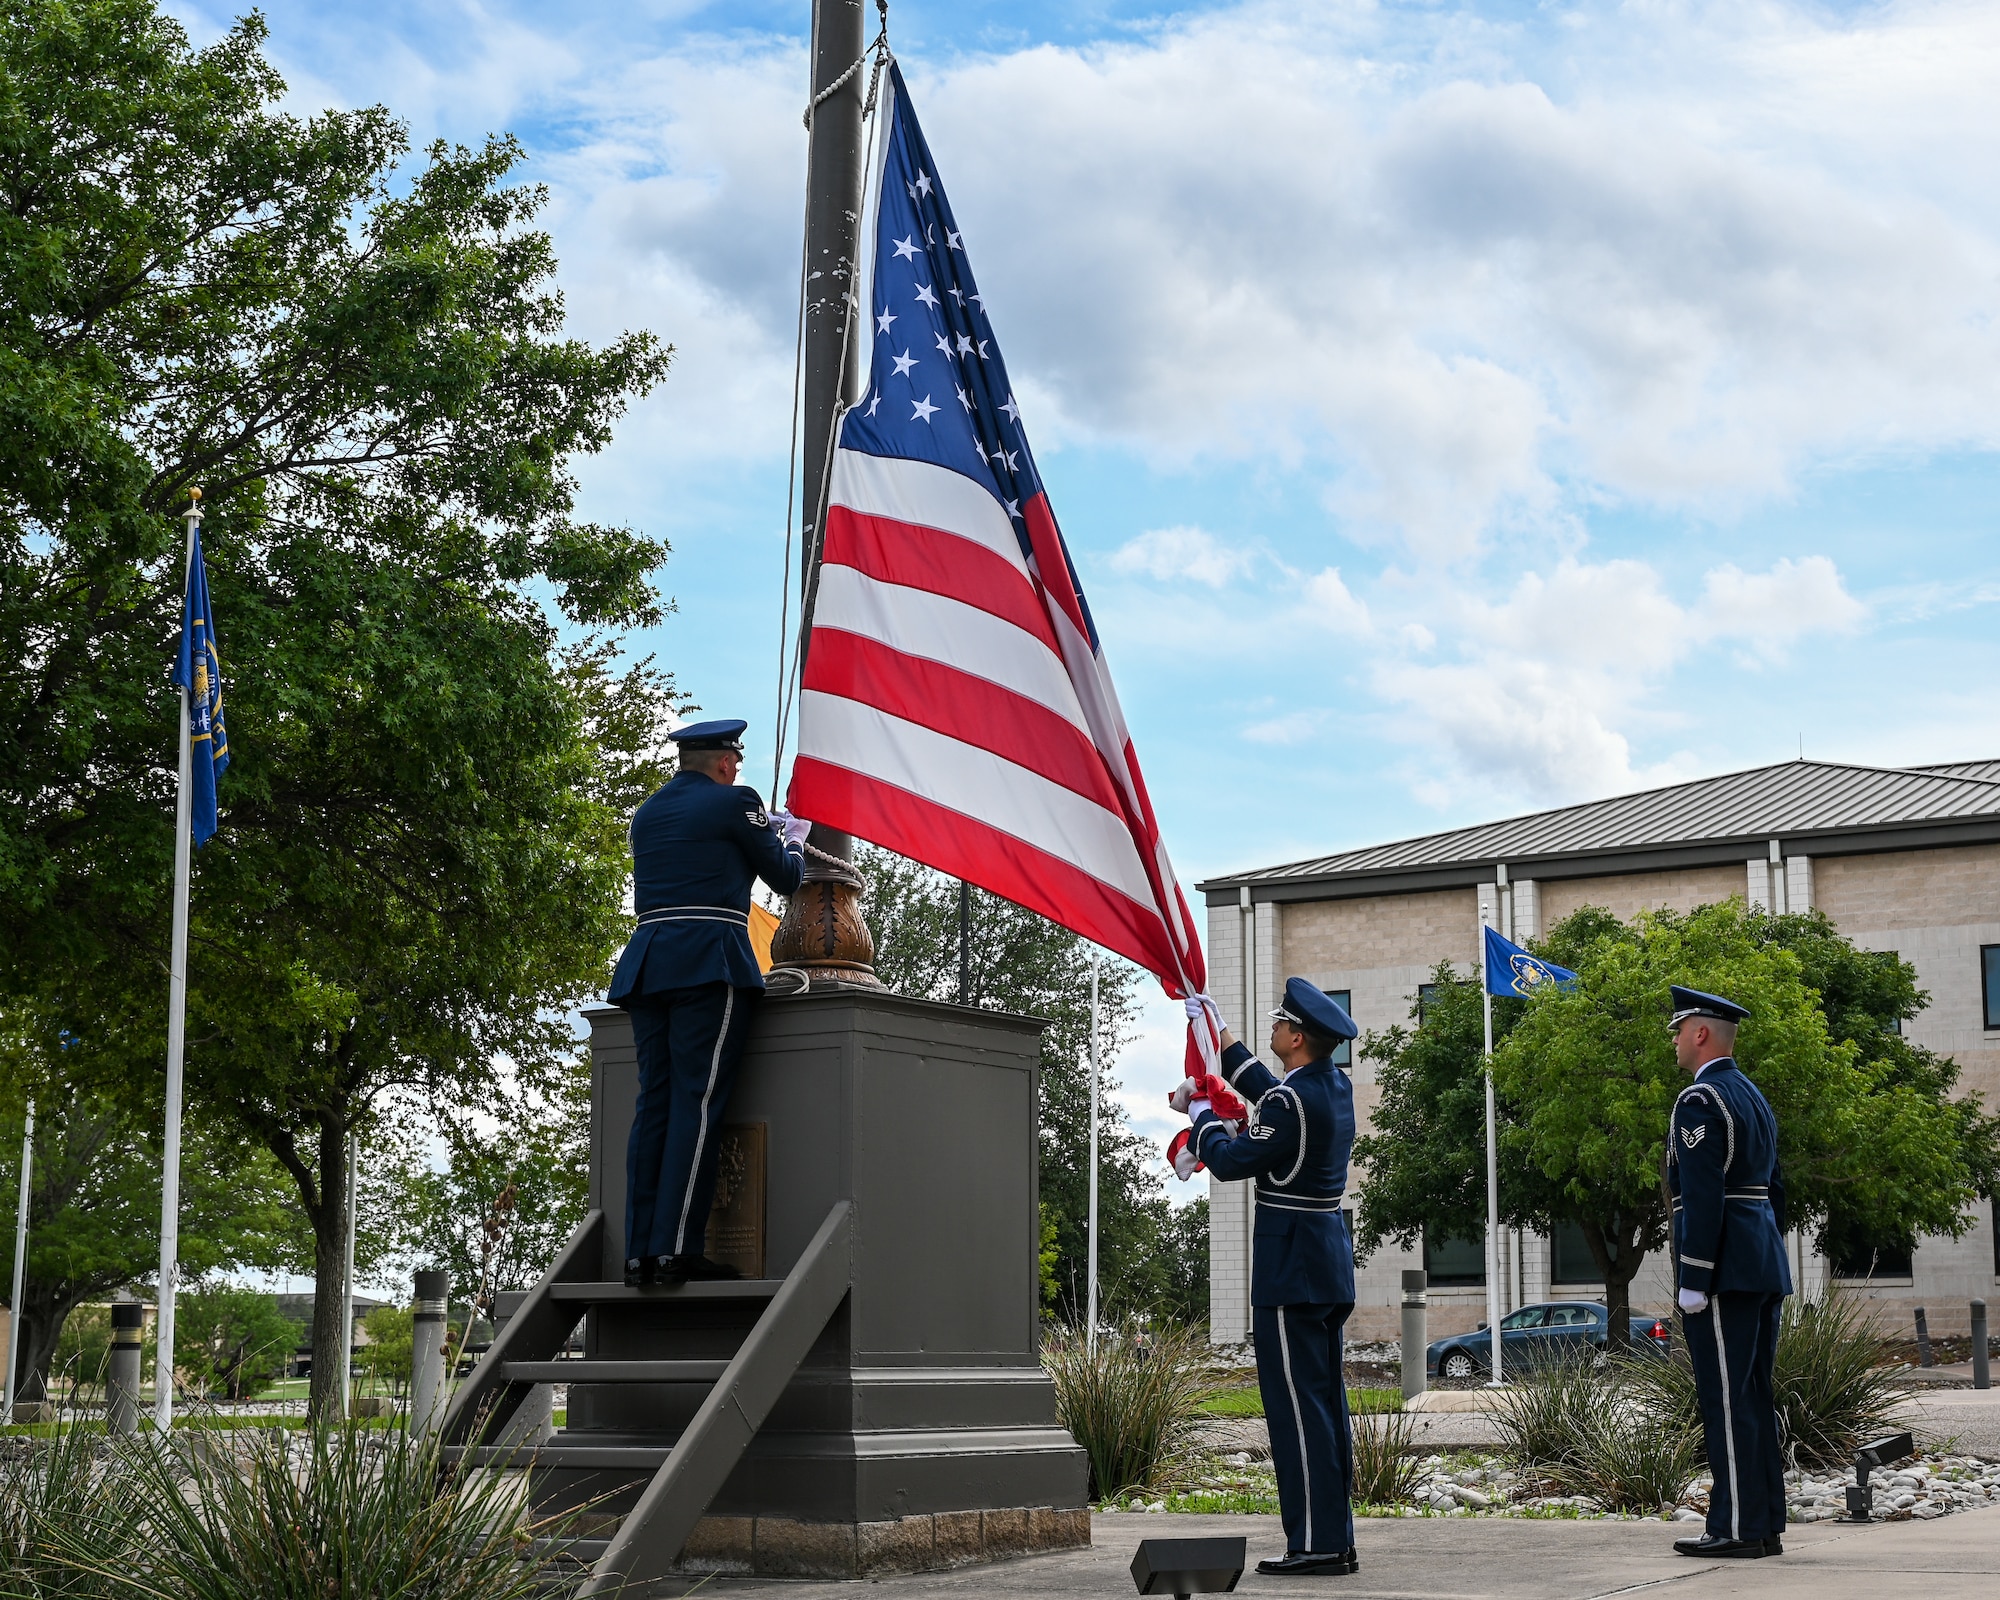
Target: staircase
632, 1454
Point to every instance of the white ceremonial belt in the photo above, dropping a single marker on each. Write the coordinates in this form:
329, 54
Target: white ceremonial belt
1756, 1191
740, 919
1298, 1202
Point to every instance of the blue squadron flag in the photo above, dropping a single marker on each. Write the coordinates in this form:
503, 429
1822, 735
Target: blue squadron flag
1510, 970
199, 671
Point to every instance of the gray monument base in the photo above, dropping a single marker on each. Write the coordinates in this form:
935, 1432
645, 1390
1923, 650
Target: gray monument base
920, 1432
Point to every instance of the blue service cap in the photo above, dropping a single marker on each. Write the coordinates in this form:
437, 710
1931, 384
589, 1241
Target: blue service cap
724, 733
1693, 1003
1308, 1007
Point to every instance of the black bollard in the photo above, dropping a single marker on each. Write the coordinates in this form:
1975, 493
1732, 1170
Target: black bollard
121, 1391
1923, 1341
1416, 1301
1982, 1374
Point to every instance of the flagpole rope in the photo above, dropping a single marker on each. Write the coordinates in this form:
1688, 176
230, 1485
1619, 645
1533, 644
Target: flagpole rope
790, 672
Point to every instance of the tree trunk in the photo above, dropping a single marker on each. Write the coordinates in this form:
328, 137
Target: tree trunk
329, 1224
44, 1310
1617, 1252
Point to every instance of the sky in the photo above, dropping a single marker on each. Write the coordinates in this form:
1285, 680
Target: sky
1454, 410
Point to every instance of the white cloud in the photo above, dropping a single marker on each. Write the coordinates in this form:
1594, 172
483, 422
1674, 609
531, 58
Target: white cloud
1768, 610
1178, 554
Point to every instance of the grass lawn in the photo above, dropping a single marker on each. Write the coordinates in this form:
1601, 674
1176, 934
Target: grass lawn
1247, 1402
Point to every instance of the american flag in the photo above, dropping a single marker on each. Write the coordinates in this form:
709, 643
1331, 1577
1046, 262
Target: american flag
956, 706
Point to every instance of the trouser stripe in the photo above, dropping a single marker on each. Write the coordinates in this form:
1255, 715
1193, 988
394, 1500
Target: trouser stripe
1728, 1422
701, 1127
1298, 1423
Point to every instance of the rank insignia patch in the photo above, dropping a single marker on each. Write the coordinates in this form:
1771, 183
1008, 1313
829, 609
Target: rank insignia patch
1693, 1136
759, 817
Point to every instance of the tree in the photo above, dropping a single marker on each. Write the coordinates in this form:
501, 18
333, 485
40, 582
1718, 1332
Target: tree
390, 1353
1585, 1080
231, 1341
94, 1195
1024, 963
508, 1198
422, 857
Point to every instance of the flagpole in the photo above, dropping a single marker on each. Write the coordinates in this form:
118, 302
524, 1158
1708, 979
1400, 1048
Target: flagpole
1492, 1158
20, 1266
170, 1157
1090, 1328
347, 1288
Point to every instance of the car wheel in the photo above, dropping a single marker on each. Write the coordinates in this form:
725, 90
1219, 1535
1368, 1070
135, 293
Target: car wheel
1458, 1365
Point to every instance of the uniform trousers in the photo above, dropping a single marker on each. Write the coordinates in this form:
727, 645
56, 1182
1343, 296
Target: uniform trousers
689, 1043
1731, 1346
1305, 1407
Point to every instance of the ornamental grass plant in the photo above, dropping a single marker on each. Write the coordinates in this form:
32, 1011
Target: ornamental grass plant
1134, 1403
1611, 1430
1386, 1471
343, 1513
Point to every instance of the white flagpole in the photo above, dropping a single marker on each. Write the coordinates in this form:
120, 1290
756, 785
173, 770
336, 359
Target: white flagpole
1090, 1333
347, 1289
20, 1267
1492, 1161
170, 1160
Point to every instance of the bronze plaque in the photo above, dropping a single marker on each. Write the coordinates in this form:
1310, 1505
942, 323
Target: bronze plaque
736, 1220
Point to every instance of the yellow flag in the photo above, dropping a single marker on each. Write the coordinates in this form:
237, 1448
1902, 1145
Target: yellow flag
763, 925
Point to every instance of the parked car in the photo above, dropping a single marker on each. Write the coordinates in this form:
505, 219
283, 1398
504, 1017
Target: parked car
1537, 1333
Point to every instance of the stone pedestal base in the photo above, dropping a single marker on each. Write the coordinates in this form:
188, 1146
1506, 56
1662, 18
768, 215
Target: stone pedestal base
784, 1547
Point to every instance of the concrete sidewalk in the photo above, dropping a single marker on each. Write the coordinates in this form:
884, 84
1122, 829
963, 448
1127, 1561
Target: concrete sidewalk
1486, 1559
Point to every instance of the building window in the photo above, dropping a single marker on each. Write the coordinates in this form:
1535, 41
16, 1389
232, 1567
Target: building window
1573, 1261
1426, 993
1344, 998
1454, 1263
1859, 1263
1989, 974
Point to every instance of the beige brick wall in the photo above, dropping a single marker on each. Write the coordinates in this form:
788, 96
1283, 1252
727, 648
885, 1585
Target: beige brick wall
1911, 888
1396, 930
1628, 895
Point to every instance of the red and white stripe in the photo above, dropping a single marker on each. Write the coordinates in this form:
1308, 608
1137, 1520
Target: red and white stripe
953, 711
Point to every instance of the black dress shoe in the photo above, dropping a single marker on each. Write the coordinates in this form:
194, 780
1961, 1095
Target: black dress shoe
1775, 1545
1734, 1549
696, 1269
1309, 1563
638, 1271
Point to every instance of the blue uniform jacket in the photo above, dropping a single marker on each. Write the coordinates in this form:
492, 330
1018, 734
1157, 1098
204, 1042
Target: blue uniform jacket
697, 846
1296, 1146
1729, 1197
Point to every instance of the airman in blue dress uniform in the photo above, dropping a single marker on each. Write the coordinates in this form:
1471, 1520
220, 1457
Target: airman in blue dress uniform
1296, 1146
1732, 1274
691, 982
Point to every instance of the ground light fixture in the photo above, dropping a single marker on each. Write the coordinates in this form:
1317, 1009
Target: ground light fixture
1188, 1566
1877, 1453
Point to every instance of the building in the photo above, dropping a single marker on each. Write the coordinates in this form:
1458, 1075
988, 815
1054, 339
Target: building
1906, 860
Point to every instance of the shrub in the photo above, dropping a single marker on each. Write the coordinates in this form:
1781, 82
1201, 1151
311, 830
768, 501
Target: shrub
64, 1522
1134, 1409
1551, 1408
1385, 1472
267, 1515
1831, 1394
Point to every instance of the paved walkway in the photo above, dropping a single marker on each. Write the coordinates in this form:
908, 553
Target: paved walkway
1488, 1559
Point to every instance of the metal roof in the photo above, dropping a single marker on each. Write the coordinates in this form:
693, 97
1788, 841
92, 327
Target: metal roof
1789, 799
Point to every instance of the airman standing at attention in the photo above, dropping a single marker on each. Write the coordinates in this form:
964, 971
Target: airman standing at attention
691, 982
1296, 1145
1729, 1258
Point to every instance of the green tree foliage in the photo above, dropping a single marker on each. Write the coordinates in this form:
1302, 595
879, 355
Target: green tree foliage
94, 1195
422, 852
1024, 963
390, 1353
229, 1342
1586, 1078
513, 1187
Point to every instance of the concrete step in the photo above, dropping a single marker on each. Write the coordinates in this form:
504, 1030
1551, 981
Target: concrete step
591, 1370
604, 1294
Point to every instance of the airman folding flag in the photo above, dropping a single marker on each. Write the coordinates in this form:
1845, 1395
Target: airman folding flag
956, 706
1510, 970
199, 671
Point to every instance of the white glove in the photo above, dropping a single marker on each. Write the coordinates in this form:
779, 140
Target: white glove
1197, 1107
1693, 1302
1181, 1097
1199, 1005
791, 829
